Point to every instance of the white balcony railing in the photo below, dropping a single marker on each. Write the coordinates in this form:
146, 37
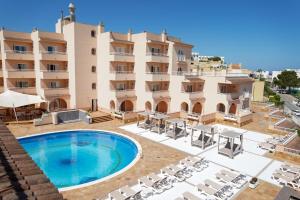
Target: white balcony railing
18, 52
54, 52
121, 53
157, 54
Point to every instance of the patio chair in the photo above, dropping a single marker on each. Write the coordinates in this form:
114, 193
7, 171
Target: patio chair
287, 174
130, 192
181, 169
190, 196
229, 180
281, 179
233, 174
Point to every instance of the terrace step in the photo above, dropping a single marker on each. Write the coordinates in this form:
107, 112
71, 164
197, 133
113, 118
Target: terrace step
101, 119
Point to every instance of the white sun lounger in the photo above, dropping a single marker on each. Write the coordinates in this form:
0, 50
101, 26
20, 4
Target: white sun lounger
146, 182
163, 181
226, 189
177, 175
130, 192
209, 192
287, 174
117, 195
266, 146
290, 168
190, 196
227, 179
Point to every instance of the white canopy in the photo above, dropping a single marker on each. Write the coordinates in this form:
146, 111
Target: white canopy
11, 99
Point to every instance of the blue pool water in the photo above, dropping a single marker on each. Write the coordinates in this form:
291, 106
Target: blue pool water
71, 158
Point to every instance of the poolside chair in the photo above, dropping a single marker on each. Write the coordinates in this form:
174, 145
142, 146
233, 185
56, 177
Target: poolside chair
117, 195
190, 196
267, 146
287, 174
164, 181
281, 179
233, 174
181, 169
226, 189
175, 175
208, 191
146, 182
229, 180
130, 192
290, 168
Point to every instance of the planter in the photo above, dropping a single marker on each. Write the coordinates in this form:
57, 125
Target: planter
253, 183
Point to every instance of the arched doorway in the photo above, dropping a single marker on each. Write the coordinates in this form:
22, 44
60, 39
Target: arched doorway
112, 105
126, 106
197, 108
148, 106
184, 107
162, 107
57, 104
232, 108
221, 107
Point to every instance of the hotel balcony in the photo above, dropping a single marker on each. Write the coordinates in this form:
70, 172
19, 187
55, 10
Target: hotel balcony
157, 57
121, 57
25, 90
53, 55
55, 74
62, 91
160, 94
24, 73
122, 75
126, 93
157, 76
18, 55
194, 95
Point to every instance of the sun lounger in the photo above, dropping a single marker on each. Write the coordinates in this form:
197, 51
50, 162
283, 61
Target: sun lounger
290, 168
227, 179
117, 195
130, 192
163, 181
233, 174
190, 196
266, 146
206, 190
283, 180
177, 175
287, 174
146, 182
222, 188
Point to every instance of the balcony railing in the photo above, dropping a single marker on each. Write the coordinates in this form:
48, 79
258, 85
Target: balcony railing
19, 70
54, 52
18, 52
121, 53
157, 54
122, 72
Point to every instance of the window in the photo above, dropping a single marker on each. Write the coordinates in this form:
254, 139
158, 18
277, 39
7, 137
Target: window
93, 51
51, 67
93, 33
21, 66
22, 84
19, 49
120, 86
93, 86
180, 55
51, 49
189, 88
94, 69
54, 84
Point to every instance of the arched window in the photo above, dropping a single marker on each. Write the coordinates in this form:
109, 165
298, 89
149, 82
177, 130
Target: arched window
184, 107
197, 108
162, 107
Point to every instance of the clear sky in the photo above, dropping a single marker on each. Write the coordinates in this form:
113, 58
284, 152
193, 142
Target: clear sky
257, 33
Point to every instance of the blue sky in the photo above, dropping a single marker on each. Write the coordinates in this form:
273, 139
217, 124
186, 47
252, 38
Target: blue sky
257, 33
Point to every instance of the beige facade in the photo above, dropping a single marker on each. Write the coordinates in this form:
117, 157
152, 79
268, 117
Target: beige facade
83, 66
258, 91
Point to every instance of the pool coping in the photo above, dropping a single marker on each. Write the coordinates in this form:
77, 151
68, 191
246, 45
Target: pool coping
131, 164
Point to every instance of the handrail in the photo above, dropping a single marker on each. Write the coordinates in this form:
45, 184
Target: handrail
55, 88
123, 90
157, 73
121, 53
156, 54
54, 52
20, 70
54, 71
18, 52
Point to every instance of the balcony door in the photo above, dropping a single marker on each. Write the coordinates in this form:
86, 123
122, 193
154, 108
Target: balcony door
51, 49
51, 67
19, 49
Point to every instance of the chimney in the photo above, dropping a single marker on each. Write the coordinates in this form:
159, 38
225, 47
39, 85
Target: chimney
164, 35
129, 35
101, 27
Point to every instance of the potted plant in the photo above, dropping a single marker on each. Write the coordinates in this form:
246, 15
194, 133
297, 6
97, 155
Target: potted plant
253, 182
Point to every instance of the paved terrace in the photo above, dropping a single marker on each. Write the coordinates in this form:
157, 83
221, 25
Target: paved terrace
157, 156
21, 178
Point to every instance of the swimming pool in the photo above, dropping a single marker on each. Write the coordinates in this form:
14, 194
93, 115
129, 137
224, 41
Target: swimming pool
77, 158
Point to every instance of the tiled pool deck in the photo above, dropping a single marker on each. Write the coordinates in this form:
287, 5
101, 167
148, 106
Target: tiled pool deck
160, 151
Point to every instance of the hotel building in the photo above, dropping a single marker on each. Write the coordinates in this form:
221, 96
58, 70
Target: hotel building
84, 66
